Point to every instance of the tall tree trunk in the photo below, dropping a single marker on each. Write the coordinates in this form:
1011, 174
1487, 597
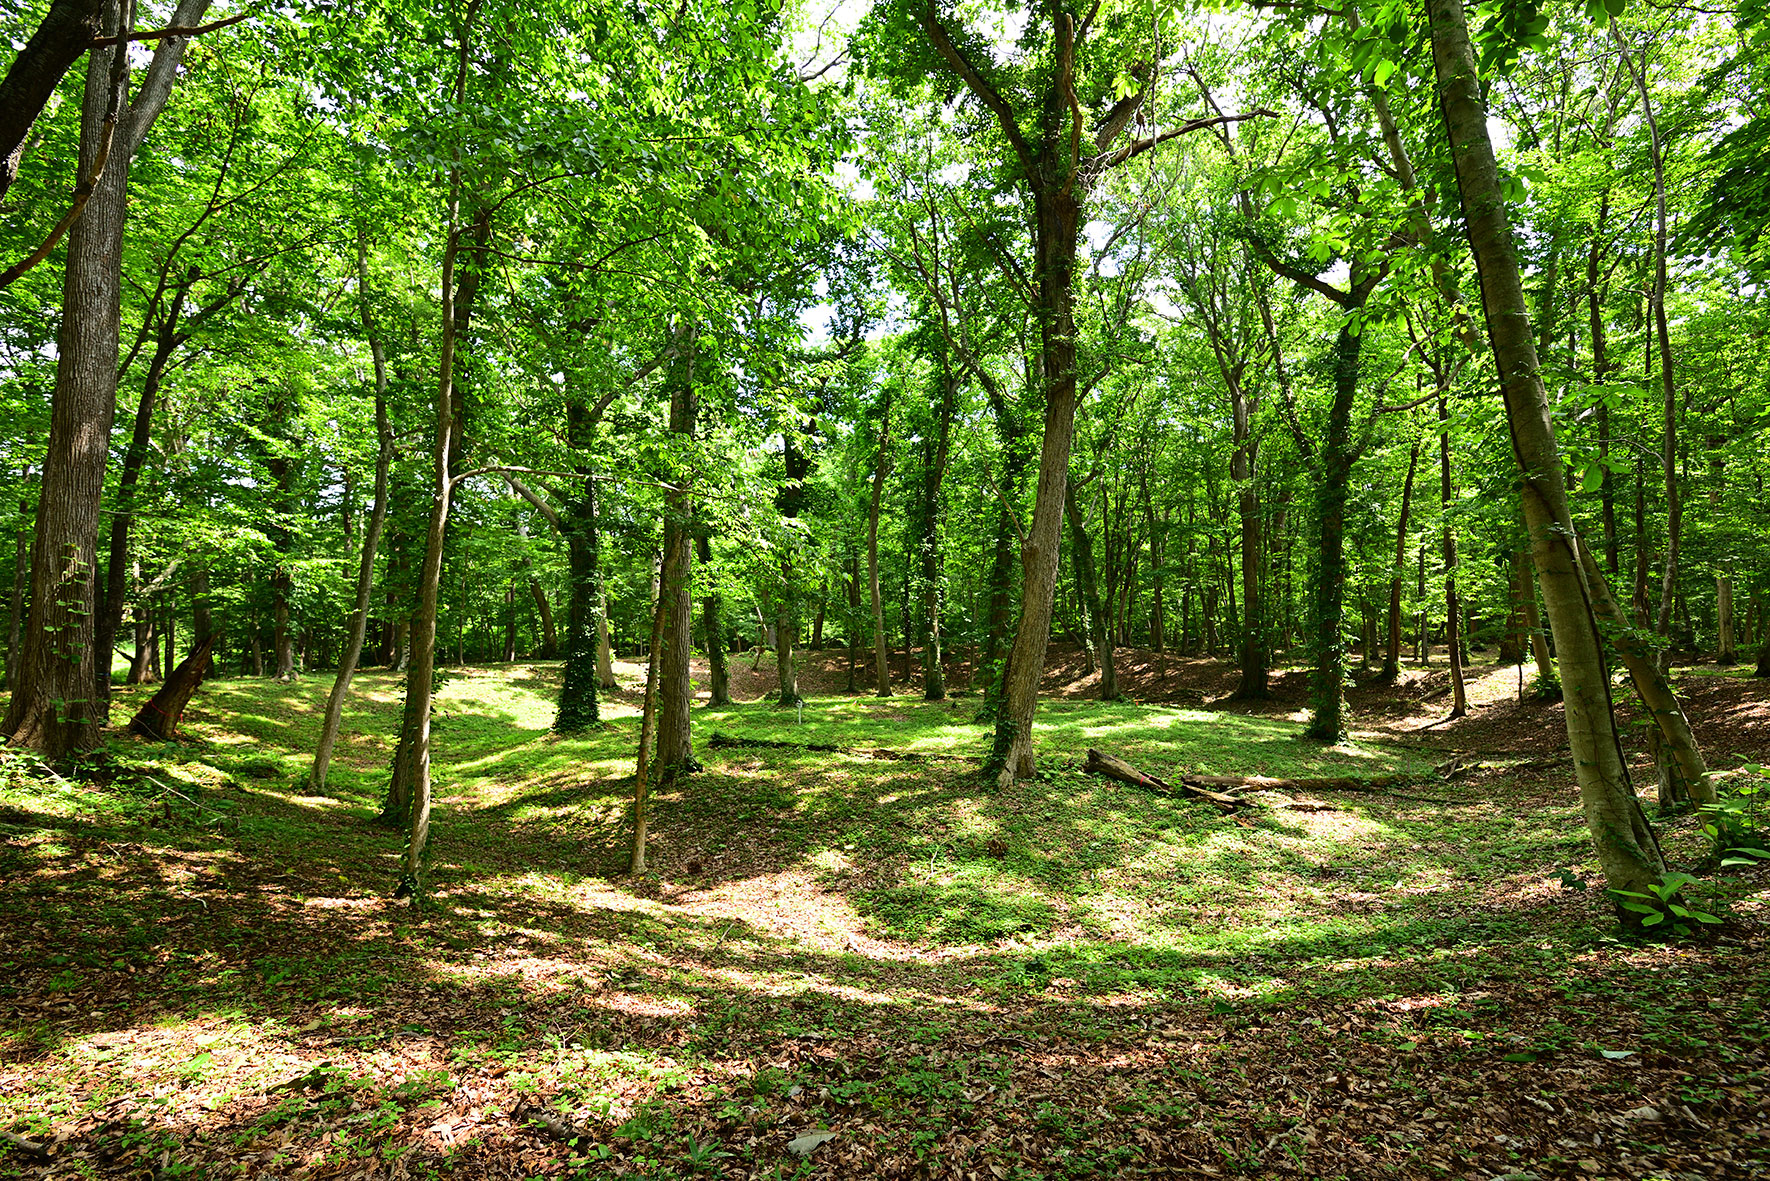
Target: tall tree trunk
853, 624
713, 624
1057, 218
421, 676
1627, 848
643, 763
1254, 652
365, 571
881, 656
1453, 610
1656, 301
52, 708
1392, 654
675, 573
817, 618
1095, 631
1326, 696
928, 517
110, 609
21, 575
788, 499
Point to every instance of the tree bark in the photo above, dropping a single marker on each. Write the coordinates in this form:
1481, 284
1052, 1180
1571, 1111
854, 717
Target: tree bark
1453, 610
928, 516
67, 32
52, 708
160, 715
881, 656
713, 624
1095, 629
1627, 848
675, 573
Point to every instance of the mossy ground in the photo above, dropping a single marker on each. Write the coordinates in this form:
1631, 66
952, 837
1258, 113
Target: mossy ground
1069, 978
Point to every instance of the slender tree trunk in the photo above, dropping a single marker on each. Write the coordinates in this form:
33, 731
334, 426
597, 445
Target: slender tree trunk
928, 516
1392, 654
110, 610
449, 444
365, 572
21, 575
1690, 774
881, 656
1326, 696
853, 624
1255, 653
1627, 848
675, 574
1453, 610
713, 624
1097, 638
1662, 337
642, 770
788, 499
817, 618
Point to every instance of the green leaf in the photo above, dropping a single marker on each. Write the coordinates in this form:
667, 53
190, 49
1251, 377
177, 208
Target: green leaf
1384, 71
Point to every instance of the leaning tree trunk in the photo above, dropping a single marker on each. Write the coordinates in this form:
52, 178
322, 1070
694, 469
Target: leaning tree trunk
65, 34
1683, 760
1627, 848
159, 716
365, 574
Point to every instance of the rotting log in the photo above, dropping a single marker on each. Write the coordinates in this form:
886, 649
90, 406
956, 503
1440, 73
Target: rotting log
159, 717
1110, 767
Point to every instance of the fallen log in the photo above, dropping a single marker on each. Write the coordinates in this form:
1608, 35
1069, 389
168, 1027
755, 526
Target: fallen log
722, 741
1110, 767
1375, 784
1221, 789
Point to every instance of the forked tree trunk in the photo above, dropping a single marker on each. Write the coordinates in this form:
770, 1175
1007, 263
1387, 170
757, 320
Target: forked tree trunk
1627, 848
642, 770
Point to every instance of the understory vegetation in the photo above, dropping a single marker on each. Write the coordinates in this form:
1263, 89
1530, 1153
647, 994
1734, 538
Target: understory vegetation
1074, 978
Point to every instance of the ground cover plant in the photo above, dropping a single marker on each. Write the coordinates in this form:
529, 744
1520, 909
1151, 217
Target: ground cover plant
679, 588
1075, 978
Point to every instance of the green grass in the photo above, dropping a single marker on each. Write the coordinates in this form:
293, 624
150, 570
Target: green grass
206, 898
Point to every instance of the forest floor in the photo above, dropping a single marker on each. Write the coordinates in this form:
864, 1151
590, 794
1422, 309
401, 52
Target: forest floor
201, 973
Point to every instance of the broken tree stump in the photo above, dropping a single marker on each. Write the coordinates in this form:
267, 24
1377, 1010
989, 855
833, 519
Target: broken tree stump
159, 717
